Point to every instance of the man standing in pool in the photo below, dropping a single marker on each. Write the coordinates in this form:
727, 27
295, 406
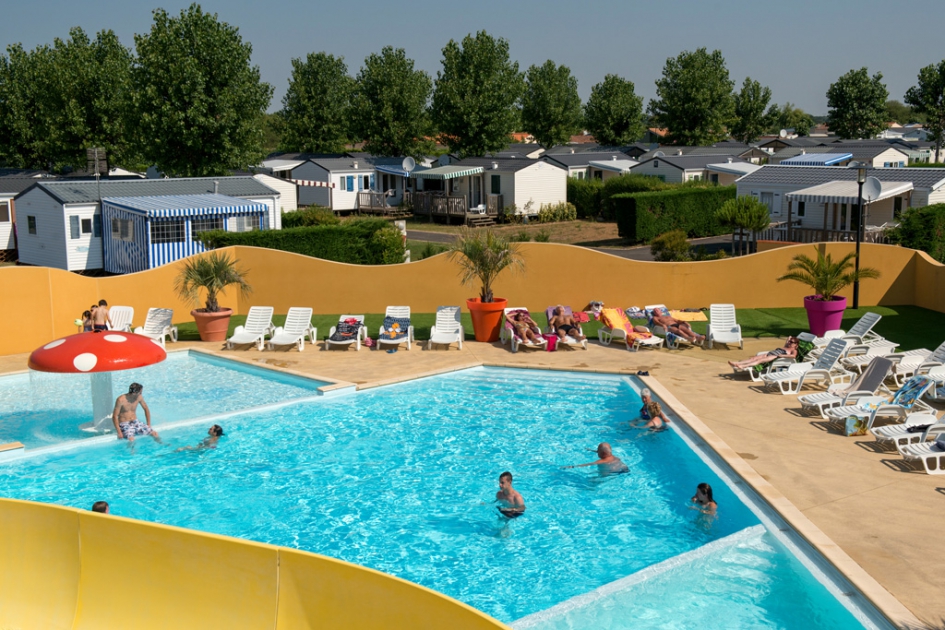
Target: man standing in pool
126, 420
512, 505
608, 463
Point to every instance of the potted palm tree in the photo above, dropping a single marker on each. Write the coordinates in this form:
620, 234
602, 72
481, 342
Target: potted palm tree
482, 255
827, 278
212, 272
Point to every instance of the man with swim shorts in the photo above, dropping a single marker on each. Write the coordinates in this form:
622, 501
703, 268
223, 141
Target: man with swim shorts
126, 421
512, 505
563, 325
677, 327
100, 317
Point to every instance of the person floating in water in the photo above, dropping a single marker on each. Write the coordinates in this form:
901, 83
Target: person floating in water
651, 411
101, 507
608, 463
703, 499
512, 505
126, 421
213, 436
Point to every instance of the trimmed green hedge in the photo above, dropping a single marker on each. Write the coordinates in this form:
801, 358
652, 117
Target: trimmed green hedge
307, 217
923, 229
359, 242
585, 195
645, 215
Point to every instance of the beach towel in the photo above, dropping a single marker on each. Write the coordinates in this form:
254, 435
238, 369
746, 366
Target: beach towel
395, 328
346, 331
689, 316
615, 319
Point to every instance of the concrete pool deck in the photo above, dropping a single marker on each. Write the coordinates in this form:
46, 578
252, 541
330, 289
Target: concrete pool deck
872, 509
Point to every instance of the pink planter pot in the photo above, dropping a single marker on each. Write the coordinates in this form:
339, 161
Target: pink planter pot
824, 315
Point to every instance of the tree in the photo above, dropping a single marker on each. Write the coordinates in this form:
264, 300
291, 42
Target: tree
751, 119
695, 98
198, 101
743, 213
315, 107
928, 97
857, 105
389, 105
614, 113
788, 116
474, 103
23, 82
902, 114
551, 107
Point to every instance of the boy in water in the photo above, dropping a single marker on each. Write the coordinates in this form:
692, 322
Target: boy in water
126, 420
512, 505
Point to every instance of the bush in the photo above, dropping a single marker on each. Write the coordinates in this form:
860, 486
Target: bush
543, 236
923, 229
643, 216
584, 194
522, 237
313, 215
673, 246
627, 184
430, 249
553, 213
359, 242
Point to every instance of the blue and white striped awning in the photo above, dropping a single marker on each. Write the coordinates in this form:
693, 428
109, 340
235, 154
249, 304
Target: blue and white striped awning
449, 172
171, 206
817, 159
397, 170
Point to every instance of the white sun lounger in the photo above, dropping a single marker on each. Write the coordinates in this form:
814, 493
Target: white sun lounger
672, 339
448, 328
900, 435
158, 326
383, 334
860, 333
356, 340
928, 452
824, 370
568, 339
120, 318
258, 324
722, 326
298, 325
508, 333
867, 384
907, 400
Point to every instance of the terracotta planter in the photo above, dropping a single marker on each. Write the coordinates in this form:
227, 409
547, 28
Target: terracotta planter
212, 326
486, 317
824, 315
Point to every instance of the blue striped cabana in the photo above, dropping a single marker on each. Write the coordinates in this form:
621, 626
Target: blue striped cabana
146, 232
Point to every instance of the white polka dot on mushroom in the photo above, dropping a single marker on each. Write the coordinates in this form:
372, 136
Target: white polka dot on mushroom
85, 361
115, 338
53, 344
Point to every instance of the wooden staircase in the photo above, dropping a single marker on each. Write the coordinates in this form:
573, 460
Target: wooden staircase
479, 220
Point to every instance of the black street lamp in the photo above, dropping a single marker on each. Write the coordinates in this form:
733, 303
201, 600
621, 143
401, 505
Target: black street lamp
860, 180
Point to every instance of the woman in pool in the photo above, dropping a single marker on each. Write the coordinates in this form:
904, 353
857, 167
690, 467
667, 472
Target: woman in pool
652, 412
703, 499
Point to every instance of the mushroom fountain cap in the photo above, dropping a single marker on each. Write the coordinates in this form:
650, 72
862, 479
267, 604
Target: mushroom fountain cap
97, 352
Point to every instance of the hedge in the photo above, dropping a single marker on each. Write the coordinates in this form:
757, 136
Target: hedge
306, 217
585, 195
644, 216
626, 184
923, 229
359, 242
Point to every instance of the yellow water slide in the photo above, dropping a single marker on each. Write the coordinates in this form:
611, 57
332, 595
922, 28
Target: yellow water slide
66, 568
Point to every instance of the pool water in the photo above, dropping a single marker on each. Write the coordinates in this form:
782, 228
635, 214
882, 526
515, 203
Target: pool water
403, 479
41, 409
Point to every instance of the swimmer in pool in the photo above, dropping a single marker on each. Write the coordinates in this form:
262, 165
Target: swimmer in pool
703, 499
511, 503
213, 436
607, 463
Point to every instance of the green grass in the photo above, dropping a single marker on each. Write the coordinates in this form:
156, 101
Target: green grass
910, 326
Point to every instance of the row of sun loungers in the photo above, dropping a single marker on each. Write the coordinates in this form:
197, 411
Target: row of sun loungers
157, 324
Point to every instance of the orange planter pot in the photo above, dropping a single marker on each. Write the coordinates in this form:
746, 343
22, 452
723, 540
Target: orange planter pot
212, 326
486, 317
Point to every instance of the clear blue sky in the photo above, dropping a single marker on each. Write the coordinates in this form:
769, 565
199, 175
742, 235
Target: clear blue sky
797, 48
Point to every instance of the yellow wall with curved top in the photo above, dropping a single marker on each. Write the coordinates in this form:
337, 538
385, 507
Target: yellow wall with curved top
42, 303
68, 568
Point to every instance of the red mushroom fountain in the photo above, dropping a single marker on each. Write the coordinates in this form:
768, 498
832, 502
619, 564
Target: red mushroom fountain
98, 354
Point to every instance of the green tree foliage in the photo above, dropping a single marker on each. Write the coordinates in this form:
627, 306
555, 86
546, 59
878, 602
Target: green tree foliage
672, 246
476, 96
551, 107
315, 107
824, 275
745, 214
307, 217
922, 229
273, 126
857, 104
903, 114
928, 98
614, 113
23, 77
389, 105
750, 104
198, 101
788, 116
694, 98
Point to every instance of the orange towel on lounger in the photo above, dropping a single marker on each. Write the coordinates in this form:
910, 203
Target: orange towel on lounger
615, 319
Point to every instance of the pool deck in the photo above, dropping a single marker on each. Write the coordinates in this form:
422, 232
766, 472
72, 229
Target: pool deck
847, 496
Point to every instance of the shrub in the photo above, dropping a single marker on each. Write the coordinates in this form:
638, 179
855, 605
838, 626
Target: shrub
542, 236
521, 237
643, 216
430, 249
360, 241
585, 195
510, 214
553, 213
923, 229
673, 246
313, 215
626, 184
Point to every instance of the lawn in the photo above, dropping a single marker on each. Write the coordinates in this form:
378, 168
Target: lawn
910, 326
585, 233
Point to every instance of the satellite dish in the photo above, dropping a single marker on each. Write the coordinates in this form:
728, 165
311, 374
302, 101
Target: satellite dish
409, 164
659, 154
783, 133
871, 189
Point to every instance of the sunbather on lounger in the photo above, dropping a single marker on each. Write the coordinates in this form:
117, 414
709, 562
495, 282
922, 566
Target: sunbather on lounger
678, 328
789, 350
563, 325
525, 327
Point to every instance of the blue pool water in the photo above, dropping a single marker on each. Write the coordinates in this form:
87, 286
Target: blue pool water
403, 479
40, 409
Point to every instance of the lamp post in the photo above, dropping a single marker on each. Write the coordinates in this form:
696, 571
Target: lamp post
860, 180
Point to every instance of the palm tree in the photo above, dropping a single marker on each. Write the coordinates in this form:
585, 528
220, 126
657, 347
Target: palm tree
213, 272
482, 255
824, 276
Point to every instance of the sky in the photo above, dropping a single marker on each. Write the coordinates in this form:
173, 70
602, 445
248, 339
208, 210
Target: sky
796, 48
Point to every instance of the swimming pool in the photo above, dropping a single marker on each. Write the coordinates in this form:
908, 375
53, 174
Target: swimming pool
402, 479
41, 409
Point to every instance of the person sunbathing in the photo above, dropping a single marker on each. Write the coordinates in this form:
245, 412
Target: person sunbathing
788, 351
525, 327
677, 327
563, 325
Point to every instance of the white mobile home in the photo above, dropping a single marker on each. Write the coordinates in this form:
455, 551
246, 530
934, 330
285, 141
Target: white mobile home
12, 183
529, 184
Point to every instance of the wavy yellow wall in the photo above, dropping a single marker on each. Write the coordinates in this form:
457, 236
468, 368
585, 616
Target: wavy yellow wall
44, 302
67, 568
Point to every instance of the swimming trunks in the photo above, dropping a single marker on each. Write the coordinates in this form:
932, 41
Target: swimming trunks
510, 513
135, 427
567, 328
101, 327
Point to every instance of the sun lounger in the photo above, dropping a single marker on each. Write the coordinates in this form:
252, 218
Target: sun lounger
867, 384
120, 318
672, 339
907, 400
615, 325
900, 434
448, 328
396, 328
931, 454
722, 326
860, 355
825, 370
258, 324
349, 330
510, 334
158, 326
906, 365
298, 325
936, 393
860, 333
568, 339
